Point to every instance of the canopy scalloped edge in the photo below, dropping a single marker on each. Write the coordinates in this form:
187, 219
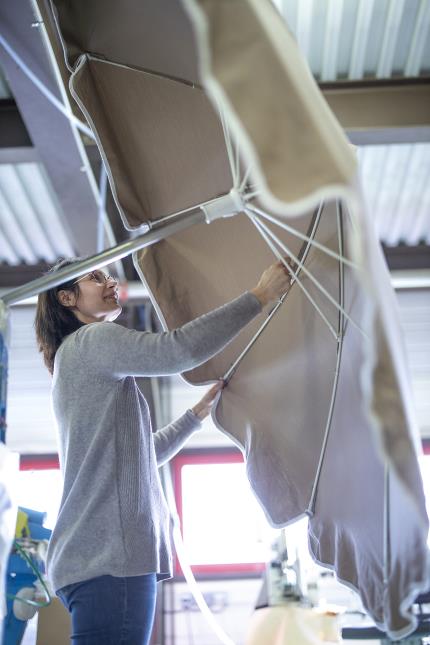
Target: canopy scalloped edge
343, 189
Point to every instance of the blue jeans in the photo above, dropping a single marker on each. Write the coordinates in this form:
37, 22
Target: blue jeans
111, 611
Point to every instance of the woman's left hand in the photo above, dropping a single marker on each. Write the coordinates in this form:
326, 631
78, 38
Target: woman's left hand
203, 407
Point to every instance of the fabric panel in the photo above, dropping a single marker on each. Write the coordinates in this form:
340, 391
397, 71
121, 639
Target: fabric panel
161, 139
151, 35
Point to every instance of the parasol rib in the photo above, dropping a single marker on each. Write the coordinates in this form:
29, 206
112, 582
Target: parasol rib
237, 162
290, 270
143, 70
229, 149
227, 376
319, 286
244, 180
311, 506
302, 236
314, 225
253, 194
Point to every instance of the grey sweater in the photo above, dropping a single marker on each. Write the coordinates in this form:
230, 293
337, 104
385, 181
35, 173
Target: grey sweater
113, 517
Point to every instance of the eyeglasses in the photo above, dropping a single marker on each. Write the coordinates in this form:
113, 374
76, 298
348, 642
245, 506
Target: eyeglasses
97, 276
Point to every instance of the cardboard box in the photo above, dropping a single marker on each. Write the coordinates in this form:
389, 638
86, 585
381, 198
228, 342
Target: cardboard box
54, 624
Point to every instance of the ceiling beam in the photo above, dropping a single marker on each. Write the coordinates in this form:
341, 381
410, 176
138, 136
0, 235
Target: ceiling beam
13, 133
399, 258
21, 154
388, 136
15, 143
17, 275
371, 113
381, 112
407, 257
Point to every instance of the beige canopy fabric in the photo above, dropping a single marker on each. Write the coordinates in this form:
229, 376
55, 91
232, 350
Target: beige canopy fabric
182, 161
250, 63
187, 104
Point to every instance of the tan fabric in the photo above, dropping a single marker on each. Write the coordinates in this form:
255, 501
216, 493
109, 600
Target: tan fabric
200, 269
152, 35
276, 406
164, 148
291, 624
161, 139
250, 61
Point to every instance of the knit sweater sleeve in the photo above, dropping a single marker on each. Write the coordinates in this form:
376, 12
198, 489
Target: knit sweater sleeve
117, 352
169, 440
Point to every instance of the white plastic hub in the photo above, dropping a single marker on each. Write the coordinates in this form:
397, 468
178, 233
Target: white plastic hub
225, 206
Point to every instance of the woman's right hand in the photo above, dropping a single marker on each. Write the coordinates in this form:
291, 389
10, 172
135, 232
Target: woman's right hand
274, 282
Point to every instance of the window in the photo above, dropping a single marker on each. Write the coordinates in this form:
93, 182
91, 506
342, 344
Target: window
223, 527
39, 486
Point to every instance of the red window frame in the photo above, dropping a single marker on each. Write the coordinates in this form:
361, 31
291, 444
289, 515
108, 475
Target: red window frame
39, 462
193, 457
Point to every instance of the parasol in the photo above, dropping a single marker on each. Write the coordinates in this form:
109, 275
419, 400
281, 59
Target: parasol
209, 105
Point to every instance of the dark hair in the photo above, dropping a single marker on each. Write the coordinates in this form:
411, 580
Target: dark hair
54, 321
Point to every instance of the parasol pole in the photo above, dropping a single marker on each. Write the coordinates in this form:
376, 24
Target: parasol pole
224, 206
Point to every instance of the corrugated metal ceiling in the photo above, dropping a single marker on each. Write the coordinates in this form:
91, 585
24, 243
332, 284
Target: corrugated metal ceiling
357, 39
31, 226
396, 185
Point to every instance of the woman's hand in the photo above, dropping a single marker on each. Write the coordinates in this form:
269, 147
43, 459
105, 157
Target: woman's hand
203, 407
275, 281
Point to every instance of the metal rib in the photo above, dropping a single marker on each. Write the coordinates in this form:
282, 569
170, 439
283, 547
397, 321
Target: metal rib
341, 320
303, 255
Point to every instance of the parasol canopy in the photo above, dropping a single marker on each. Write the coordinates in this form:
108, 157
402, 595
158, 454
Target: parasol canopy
210, 105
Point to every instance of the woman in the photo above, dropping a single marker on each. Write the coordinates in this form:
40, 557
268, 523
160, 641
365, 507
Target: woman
110, 544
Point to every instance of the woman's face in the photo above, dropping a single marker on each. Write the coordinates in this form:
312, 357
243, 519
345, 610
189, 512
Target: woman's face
97, 300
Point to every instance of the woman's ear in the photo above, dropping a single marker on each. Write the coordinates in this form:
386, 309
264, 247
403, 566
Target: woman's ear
66, 298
